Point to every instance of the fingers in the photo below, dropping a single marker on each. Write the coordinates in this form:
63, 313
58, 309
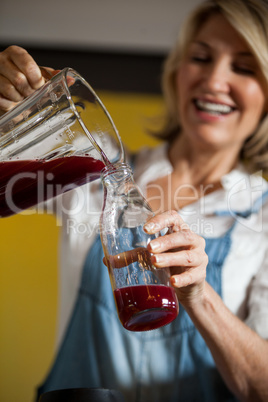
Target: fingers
9, 95
28, 72
8, 91
48, 72
185, 258
20, 70
180, 249
5, 105
178, 239
188, 278
20, 76
170, 219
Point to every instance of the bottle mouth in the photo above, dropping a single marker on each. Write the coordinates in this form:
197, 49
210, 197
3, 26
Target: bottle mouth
118, 170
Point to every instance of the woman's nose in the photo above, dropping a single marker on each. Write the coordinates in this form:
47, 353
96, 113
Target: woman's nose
217, 77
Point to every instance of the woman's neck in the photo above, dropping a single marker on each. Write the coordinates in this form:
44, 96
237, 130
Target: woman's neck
196, 172
197, 166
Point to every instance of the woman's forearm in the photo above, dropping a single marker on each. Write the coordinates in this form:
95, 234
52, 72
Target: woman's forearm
240, 354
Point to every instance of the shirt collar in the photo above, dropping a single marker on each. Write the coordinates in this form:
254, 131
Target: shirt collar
239, 188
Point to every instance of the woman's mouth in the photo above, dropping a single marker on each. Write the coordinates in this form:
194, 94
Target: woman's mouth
213, 108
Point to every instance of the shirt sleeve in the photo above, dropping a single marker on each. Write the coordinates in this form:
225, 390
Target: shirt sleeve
257, 318
78, 215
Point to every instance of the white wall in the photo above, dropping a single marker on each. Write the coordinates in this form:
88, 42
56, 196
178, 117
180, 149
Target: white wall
143, 25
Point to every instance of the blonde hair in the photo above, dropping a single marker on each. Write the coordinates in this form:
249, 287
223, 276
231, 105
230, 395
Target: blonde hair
250, 19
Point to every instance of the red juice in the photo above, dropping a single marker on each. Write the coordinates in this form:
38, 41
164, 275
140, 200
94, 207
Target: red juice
146, 307
24, 183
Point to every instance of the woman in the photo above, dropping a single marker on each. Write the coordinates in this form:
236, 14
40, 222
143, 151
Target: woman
215, 83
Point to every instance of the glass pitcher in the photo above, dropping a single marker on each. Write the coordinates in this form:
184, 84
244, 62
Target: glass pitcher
58, 138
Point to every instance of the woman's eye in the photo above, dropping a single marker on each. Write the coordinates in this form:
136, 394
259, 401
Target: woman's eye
244, 70
200, 59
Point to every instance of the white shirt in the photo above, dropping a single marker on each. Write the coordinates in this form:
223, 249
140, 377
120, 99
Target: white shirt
245, 270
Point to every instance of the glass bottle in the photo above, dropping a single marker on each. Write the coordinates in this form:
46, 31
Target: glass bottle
142, 293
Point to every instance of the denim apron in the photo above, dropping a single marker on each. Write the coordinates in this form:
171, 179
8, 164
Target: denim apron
168, 364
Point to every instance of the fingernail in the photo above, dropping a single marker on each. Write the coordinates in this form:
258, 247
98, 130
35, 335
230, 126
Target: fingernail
148, 227
154, 258
173, 280
154, 245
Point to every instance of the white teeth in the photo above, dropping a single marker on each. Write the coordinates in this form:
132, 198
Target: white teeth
213, 107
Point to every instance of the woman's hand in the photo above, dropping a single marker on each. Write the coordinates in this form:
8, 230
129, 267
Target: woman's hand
20, 76
183, 251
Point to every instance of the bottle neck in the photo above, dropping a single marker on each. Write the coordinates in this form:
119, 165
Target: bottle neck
121, 190
114, 175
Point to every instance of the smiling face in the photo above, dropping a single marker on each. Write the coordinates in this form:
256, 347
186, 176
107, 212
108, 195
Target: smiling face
220, 88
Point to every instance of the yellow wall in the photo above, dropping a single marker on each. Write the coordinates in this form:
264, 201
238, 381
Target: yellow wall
28, 270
